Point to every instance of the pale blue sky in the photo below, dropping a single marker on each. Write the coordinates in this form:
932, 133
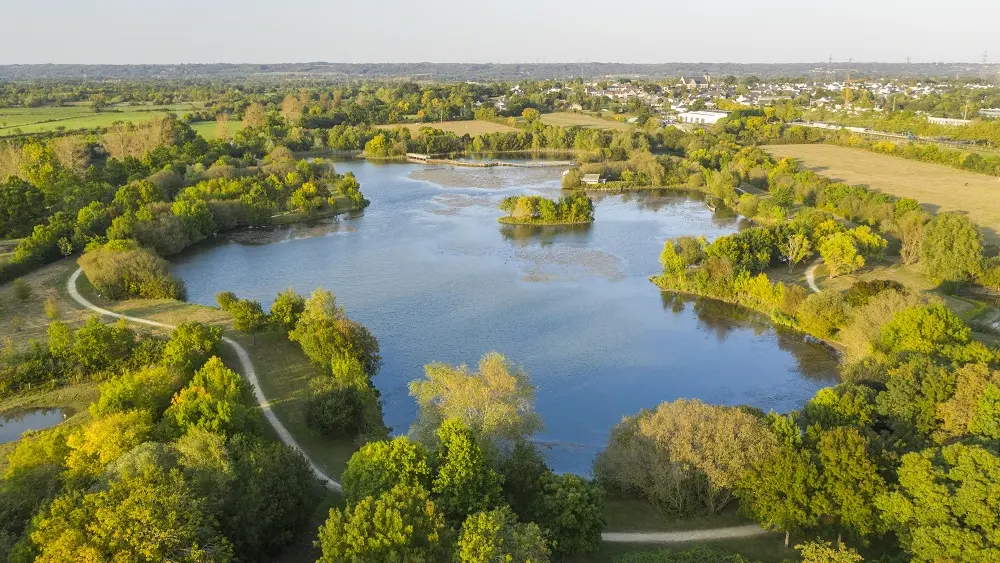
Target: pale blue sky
178, 31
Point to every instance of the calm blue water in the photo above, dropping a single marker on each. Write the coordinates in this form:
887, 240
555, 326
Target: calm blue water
435, 278
14, 424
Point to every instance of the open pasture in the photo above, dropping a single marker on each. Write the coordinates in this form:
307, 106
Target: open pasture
566, 119
938, 188
457, 127
74, 117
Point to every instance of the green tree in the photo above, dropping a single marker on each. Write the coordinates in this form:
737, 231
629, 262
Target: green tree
97, 346
851, 482
324, 332
216, 399
523, 469
464, 482
823, 552
823, 313
840, 253
336, 409
952, 248
148, 517
496, 401
712, 446
401, 525
944, 508
191, 344
226, 299
845, 405
782, 492
104, 440
487, 537
149, 389
286, 310
796, 249
571, 512
122, 269
531, 114
909, 228
248, 317
932, 330
22, 206
270, 496
378, 466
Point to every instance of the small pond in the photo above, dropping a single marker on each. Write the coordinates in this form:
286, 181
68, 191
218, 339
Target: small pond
14, 424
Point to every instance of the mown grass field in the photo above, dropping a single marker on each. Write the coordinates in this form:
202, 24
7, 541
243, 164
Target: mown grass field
456, 127
938, 188
566, 119
207, 129
74, 117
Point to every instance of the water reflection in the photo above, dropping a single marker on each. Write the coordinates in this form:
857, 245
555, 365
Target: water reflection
525, 235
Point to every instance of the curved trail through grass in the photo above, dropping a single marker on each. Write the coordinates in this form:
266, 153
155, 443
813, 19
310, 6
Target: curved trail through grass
682, 536
248, 372
811, 276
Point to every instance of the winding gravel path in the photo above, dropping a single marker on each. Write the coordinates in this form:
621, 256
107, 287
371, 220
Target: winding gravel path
681, 536
811, 276
246, 367
250, 373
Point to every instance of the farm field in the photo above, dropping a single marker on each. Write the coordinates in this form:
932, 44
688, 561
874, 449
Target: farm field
566, 119
456, 127
39, 120
207, 128
938, 188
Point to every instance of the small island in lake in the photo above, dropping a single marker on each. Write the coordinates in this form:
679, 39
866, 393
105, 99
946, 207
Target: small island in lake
537, 210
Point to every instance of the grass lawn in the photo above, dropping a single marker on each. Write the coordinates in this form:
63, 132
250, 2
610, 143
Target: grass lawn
937, 187
635, 515
23, 321
456, 127
36, 120
207, 128
567, 119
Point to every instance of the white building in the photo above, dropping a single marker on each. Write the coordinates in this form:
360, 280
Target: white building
702, 116
990, 112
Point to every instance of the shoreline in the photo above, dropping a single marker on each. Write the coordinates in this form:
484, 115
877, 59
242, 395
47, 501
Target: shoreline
832, 345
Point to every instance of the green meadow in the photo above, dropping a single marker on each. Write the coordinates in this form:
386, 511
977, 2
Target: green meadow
75, 117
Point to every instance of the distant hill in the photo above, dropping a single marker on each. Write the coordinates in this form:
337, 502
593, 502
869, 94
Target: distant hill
492, 72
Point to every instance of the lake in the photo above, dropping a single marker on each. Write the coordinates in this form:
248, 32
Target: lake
432, 274
14, 424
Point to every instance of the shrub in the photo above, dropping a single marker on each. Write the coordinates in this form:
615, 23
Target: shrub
123, 269
822, 314
338, 410
22, 291
51, 307
863, 291
226, 299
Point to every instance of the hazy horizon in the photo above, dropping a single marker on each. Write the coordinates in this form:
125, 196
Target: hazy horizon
519, 31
